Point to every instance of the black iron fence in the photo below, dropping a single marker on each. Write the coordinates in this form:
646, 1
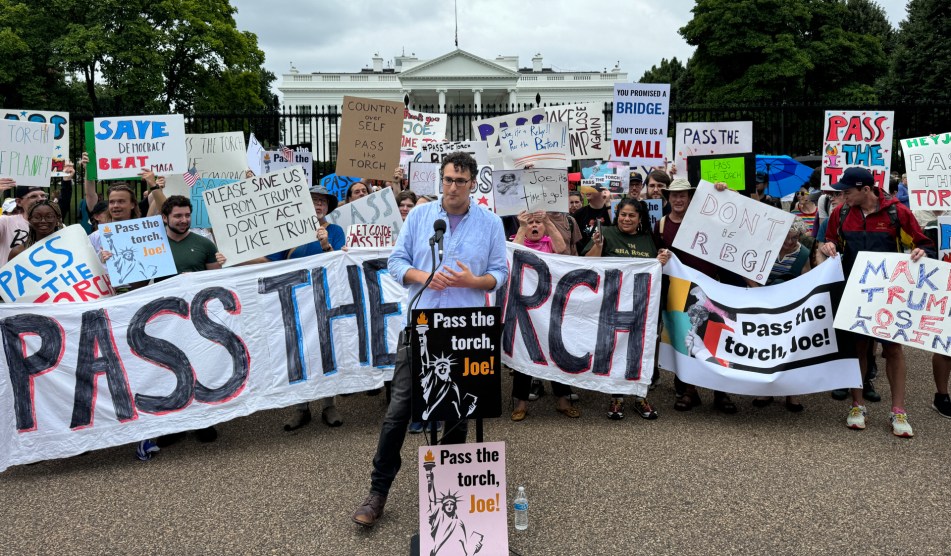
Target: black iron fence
793, 129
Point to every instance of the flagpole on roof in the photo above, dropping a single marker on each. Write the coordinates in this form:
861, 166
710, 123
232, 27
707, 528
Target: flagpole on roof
456, 5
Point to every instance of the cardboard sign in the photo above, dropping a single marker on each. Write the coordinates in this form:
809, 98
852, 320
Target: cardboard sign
436, 152
856, 138
217, 155
26, 152
457, 363
420, 128
62, 268
370, 137
773, 341
139, 248
255, 156
125, 145
60, 123
274, 161
262, 215
873, 303
540, 145
733, 232
530, 190
375, 208
462, 503
586, 137
424, 178
639, 123
370, 235
738, 172
338, 185
706, 138
484, 193
928, 165
488, 130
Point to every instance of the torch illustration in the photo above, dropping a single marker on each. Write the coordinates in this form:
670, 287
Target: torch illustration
422, 327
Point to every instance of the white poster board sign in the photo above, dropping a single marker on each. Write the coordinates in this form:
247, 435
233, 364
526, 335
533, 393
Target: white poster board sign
586, 138
857, 138
126, 145
262, 215
375, 208
532, 190
424, 178
539, 145
60, 123
217, 155
420, 128
255, 156
139, 248
26, 152
639, 123
435, 152
928, 165
733, 232
703, 138
370, 235
275, 160
488, 130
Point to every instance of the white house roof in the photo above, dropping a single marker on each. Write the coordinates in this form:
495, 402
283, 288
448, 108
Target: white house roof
458, 63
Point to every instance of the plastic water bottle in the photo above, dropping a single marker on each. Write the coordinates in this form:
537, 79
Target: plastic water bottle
521, 510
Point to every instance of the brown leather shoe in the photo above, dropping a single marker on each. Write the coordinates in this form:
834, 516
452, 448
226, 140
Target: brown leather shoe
370, 511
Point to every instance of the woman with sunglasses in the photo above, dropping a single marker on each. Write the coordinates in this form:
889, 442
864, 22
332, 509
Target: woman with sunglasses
807, 210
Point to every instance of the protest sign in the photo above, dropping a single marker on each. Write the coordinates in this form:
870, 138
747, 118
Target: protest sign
928, 165
613, 175
531, 190
639, 123
705, 138
944, 238
436, 152
125, 145
217, 155
424, 178
738, 172
370, 138
61, 268
406, 156
60, 123
420, 128
196, 194
856, 138
484, 193
375, 208
275, 160
771, 341
26, 152
889, 297
733, 232
338, 185
462, 504
488, 130
540, 145
262, 215
655, 209
370, 235
139, 248
457, 366
585, 129
255, 156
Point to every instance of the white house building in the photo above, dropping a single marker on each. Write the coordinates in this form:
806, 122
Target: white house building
457, 78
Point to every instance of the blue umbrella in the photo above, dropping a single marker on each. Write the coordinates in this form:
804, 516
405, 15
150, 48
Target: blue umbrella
784, 175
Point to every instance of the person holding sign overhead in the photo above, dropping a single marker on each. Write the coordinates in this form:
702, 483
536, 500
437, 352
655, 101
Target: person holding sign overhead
473, 263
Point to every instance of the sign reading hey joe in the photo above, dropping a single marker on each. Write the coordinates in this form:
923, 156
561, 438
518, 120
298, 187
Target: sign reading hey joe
457, 363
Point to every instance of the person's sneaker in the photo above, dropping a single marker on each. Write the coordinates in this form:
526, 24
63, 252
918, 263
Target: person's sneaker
900, 425
616, 409
207, 434
331, 417
415, 427
301, 418
145, 449
942, 404
869, 393
370, 511
856, 418
644, 408
438, 425
537, 391
840, 394
167, 440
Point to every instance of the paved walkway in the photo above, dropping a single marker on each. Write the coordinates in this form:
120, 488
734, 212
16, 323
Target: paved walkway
762, 481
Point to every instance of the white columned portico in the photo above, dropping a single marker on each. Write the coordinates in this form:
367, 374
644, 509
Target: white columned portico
407, 93
442, 99
512, 97
477, 99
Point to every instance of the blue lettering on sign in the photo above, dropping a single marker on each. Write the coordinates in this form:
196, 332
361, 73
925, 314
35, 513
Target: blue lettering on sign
131, 129
640, 108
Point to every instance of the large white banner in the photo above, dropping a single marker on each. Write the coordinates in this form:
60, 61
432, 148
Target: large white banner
771, 341
126, 145
217, 155
375, 208
928, 164
703, 138
733, 232
586, 138
26, 152
888, 297
639, 123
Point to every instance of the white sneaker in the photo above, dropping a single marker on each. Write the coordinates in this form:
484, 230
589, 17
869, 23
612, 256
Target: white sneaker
856, 418
900, 426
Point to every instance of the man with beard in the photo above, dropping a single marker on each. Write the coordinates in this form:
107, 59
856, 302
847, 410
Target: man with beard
657, 183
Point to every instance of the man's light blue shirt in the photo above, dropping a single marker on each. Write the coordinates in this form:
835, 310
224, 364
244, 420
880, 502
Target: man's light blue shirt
478, 242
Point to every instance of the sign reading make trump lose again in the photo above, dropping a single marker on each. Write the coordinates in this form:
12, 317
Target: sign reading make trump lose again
127, 145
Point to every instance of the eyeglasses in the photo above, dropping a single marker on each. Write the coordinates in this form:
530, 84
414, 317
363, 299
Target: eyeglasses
458, 182
36, 218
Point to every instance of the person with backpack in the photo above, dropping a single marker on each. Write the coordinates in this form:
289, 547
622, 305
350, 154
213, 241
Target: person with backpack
868, 220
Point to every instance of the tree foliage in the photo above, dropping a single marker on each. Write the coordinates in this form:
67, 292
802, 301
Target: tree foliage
921, 61
672, 72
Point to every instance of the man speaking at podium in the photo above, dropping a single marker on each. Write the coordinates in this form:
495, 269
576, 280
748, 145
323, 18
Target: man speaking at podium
471, 262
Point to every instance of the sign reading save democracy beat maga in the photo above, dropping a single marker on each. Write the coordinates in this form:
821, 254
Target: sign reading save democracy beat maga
126, 145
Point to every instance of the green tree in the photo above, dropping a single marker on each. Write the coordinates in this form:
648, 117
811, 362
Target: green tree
672, 72
921, 60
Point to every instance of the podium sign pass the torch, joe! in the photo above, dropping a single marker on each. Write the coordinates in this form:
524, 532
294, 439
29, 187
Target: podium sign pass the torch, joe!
457, 363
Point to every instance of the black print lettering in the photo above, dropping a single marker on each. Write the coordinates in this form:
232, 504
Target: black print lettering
98, 355
326, 314
567, 362
378, 312
162, 353
218, 333
611, 321
284, 285
518, 304
24, 369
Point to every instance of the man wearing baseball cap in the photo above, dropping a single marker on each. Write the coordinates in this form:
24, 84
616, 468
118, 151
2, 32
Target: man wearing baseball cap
869, 221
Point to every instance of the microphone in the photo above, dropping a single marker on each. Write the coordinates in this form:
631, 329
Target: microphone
439, 228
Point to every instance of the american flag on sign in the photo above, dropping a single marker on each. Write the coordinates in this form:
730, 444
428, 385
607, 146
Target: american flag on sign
191, 177
286, 152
